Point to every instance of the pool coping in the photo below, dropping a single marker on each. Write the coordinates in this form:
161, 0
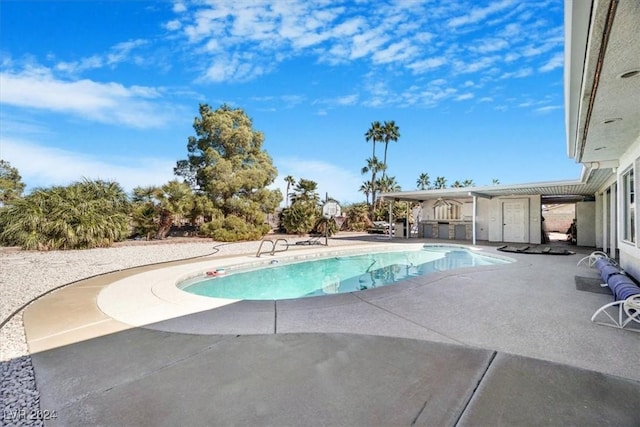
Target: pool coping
154, 296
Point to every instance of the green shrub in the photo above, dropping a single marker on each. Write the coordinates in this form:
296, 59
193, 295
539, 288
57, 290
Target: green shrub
83, 215
357, 217
233, 229
300, 218
145, 219
323, 223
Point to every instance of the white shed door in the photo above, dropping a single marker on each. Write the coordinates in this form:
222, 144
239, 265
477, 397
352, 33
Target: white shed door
514, 225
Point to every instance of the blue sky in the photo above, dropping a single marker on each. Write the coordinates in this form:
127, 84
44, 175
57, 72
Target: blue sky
110, 89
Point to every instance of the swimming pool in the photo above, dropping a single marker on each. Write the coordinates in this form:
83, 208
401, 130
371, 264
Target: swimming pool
337, 274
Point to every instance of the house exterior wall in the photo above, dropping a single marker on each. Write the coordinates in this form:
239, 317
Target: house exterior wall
586, 223
483, 208
466, 216
488, 217
599, 225
629, 252
533, 208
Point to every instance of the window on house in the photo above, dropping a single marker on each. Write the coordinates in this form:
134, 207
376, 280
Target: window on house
628, 207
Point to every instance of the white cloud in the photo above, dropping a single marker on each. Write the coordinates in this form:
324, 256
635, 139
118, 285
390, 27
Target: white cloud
511, 56
463, 97
533, 50
173, 25
238, 67
242, 41
478, 14
477, 65
119, 53
37, 88
556, 61
349, 27
425, 65
518, 74
347, 100
367, 43
511, 30
179, 7
122, 51
490, 45
39, 166
395, 52
548, 109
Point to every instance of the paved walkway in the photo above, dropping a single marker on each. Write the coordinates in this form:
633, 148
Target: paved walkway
500, 345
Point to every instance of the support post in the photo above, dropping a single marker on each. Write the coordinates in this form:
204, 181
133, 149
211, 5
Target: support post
390, 219
326, 225
406, 223
473, 223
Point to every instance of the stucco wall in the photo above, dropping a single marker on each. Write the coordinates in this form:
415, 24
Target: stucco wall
630, 253
586, 223
466, 209
489, 216
533, 206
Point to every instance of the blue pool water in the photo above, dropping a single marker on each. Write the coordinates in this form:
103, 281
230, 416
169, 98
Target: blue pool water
335, 275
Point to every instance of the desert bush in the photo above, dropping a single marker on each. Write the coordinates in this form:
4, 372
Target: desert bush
357, 217
83, 215
233, 229
300, 217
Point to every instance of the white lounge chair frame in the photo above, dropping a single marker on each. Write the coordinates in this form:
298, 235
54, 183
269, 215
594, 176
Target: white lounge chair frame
627, 311
594, 256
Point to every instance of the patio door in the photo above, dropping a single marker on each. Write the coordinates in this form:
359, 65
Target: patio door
514, 221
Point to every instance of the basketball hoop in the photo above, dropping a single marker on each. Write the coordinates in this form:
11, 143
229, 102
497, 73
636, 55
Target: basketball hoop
331, 210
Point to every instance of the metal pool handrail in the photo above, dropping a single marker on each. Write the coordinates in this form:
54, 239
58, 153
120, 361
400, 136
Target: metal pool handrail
273, 246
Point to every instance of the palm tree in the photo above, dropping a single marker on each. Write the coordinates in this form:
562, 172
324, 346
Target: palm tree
373, 134
83, 215
305, 191
174, 200
468, 183
423, 181
158, 207
390, 132
496, 181
456, 184
290, 181
388, 184
373, 166
366, 189
441, 182
144, 194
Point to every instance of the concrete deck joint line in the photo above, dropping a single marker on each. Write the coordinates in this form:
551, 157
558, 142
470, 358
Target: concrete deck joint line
77, 328
475, 389
424, 406
275, 317
407, 319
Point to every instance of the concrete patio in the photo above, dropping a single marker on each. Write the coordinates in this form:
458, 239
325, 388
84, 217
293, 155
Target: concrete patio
495, 345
